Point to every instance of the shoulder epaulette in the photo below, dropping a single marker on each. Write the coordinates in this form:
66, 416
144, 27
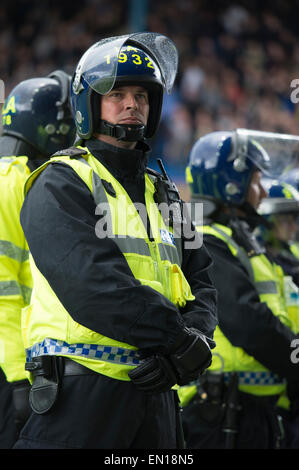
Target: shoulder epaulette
72, 152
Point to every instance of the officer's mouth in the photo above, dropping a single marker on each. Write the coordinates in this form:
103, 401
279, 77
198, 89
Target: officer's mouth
131, 120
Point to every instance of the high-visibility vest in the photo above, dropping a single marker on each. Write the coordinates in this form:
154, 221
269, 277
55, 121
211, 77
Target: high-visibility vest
294, 248
15, 275
49, 329
254, 378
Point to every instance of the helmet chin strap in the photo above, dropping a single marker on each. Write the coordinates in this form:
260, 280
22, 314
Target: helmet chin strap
126, 132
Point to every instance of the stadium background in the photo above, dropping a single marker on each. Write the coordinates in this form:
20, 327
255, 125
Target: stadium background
237, 59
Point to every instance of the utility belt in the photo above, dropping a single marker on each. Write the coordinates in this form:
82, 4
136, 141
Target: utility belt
218, 401
212, 386
47, 372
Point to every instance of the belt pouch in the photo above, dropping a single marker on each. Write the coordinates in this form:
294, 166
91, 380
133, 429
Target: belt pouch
45, 387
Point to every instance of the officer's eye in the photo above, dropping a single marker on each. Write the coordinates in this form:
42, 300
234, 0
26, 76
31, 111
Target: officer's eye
50, 129
142, 96
115, 94
64, 128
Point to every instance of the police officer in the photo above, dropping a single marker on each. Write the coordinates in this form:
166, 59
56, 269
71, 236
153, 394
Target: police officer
123, 308
233, 405
281, 208
36, 122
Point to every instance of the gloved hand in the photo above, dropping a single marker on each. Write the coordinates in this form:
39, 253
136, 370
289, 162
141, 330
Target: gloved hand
186, 360
154, 375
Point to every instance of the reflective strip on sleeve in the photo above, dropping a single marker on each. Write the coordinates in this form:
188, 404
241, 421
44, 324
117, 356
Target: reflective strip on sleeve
8, 288
13, 251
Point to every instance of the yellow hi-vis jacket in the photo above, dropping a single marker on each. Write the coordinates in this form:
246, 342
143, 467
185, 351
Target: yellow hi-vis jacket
15, 275
254, 378
47, 326
294, 247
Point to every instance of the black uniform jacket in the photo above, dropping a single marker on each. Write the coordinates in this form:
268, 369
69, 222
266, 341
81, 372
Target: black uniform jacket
246, 321
90, 276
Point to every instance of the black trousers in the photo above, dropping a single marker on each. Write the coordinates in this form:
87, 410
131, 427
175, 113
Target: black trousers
8, 430
97, 412
14, 410
258, 424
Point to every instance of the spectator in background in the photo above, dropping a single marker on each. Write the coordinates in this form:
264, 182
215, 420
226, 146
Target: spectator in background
230, 56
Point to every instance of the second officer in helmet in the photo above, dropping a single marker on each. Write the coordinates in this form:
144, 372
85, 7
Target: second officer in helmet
36, 122
235, 406
122, 309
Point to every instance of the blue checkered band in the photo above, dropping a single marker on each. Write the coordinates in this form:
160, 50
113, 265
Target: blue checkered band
256, 378
54, 347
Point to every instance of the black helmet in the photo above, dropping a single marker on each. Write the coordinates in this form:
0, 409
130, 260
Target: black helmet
147, 59
37, 112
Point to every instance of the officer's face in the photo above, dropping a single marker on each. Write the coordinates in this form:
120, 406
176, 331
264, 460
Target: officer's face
125, 105
285, 227
256, 190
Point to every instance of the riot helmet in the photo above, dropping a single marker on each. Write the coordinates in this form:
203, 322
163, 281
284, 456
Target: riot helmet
280, 210
221, 164
37, 114
147, 59
292, 177
282, 198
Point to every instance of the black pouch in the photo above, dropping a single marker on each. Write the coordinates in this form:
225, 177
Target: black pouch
44, 391
208, 401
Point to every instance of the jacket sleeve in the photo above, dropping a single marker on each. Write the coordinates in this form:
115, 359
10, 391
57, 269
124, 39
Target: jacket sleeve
15, 276
90, 276
247, 322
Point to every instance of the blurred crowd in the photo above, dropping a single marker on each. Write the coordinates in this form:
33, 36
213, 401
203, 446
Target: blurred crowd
237, 60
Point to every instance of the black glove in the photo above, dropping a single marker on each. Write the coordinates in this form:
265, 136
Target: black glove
154, 375
186, 360
190, 355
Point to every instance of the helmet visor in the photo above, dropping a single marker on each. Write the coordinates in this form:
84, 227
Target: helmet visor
273, 153
270, 206
98, 66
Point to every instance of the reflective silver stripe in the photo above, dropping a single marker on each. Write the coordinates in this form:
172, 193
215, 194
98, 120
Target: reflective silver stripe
263, 287
128, 244
11, 250
99, 193
14, 288
266, 287
9, 288
55, 347
170, 253
26, 293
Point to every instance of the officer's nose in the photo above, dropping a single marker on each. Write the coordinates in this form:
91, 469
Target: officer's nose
130, 101
263, 191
